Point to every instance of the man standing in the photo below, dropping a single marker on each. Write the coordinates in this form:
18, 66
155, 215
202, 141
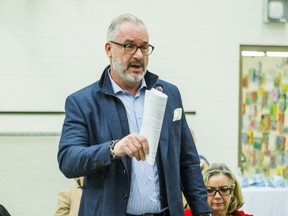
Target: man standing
100, 138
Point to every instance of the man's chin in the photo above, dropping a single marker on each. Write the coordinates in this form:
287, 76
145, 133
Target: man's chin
134, 79
136, 76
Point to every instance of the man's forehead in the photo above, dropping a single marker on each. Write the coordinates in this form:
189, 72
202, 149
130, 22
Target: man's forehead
131, 31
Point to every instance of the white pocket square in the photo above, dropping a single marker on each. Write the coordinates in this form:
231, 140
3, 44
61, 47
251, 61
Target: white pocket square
177, 114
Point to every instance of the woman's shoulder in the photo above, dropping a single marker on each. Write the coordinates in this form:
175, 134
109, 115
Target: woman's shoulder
242, 213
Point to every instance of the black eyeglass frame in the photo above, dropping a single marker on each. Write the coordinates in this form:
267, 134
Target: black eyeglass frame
137, 47
219, 191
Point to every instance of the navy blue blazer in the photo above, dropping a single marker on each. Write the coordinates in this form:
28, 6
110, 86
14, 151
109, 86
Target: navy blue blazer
93, 118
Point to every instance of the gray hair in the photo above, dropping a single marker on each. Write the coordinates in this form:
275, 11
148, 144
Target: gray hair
116, 22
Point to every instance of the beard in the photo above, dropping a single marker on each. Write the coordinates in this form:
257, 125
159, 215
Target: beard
122, 71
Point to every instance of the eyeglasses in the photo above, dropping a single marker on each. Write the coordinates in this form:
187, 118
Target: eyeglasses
222, 191
146, 49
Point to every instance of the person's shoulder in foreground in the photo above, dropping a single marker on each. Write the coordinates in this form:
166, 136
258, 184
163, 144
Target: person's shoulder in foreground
223, 190
101, 137
3, 211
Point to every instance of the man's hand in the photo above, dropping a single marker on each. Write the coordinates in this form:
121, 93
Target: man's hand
133, 145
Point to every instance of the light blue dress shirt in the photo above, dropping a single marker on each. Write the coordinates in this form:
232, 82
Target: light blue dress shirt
145, 192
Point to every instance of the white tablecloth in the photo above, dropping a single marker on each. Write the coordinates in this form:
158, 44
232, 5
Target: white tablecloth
265, 201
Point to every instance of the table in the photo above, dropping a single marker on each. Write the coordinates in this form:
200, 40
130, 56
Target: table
265, 201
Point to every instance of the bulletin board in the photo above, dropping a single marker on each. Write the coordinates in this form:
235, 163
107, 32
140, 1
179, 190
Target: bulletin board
263, 131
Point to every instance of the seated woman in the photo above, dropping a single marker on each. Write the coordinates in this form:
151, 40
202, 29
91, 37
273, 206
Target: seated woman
223, 190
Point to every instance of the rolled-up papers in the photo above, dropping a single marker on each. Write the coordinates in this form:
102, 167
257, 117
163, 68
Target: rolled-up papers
154, 109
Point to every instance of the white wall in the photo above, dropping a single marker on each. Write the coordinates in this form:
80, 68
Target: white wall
48, 49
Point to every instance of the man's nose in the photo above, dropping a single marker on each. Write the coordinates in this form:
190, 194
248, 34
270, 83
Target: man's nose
138, 52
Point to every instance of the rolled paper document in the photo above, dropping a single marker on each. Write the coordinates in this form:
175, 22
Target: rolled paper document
154, 109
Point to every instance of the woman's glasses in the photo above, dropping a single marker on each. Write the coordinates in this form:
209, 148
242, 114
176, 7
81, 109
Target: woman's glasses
223, 191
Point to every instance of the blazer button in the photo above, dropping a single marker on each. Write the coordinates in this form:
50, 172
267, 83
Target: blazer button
125, 196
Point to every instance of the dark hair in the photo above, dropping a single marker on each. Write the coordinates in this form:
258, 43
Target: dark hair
203, 158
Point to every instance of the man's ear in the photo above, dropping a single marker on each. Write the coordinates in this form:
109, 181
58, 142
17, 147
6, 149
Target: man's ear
108, 50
